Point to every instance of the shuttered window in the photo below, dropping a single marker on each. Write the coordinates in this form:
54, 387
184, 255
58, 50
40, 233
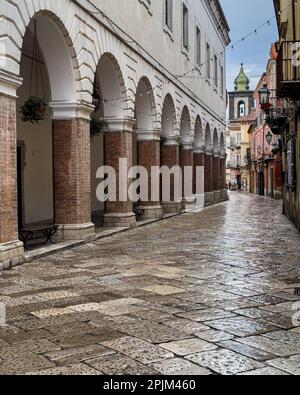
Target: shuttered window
169, 14
185, 27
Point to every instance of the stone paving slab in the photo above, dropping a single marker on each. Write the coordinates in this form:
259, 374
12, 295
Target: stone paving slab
224, 362
175, 297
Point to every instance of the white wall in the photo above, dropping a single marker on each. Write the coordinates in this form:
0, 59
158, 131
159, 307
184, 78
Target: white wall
147, 27
37, 138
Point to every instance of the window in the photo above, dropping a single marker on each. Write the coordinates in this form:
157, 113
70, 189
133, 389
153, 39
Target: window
241, 109
208, 60
222, 79
238, 139
198, 46
216, 70
291, 162
185, 27
238, 160
169, 14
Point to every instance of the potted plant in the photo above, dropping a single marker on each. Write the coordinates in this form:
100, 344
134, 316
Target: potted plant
98, 126
35, 110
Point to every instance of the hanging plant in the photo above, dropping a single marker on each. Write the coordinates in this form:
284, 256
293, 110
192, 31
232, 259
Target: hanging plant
98, 126
35, 109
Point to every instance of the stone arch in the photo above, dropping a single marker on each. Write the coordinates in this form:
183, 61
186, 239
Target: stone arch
222, 144
145, 106
110, 86
186, 134
199, 142
54, 38
168, 122
208, 142
216, 144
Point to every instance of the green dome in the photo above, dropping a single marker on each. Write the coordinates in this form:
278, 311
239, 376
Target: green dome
242, 82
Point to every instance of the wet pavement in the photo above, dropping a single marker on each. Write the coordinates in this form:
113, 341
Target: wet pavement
206, 293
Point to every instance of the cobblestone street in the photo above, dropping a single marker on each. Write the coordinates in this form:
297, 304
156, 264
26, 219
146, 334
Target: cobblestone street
211, 293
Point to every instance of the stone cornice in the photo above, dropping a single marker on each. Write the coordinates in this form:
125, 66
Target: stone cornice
9, 84
71, 110
147, 135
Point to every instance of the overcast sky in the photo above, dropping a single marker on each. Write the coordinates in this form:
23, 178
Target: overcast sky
243, 17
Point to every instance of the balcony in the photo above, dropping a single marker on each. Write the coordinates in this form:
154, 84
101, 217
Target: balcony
288, 70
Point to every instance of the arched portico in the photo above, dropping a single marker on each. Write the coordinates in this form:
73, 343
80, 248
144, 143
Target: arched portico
53, 155
208, 167
199, 161
148, 146
113, 147
170, 151
186, 159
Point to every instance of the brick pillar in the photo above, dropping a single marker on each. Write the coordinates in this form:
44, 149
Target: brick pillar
170, 158
208, 178
187, 161
216, 178
118, 145
149, 156
11, 249
71, 173
198, 177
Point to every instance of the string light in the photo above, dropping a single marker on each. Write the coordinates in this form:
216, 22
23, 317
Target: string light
184, 75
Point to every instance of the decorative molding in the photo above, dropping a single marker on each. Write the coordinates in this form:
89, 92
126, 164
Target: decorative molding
9, 84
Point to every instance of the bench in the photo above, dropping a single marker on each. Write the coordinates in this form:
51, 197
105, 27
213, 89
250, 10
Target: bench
38, 232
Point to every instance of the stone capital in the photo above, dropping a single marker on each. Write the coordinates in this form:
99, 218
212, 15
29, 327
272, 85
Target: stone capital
187, 146
71, 110
120, 124
147, 135
9, 84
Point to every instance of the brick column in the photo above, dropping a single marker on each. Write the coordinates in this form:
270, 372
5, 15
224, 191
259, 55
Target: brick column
224, 192
187, 162
11, 249
208, 178
149, 156
71, 171
216, 178
118, 146
198, 177
170, 158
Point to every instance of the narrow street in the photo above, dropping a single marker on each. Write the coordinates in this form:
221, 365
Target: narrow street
211, 293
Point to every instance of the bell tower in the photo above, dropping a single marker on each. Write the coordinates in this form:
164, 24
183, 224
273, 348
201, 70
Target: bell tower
241, 100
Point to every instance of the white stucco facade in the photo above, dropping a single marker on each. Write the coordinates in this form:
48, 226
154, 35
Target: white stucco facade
135, 35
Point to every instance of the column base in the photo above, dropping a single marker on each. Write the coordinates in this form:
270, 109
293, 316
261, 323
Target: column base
189, 204
224, 195
11, 254
200, 201
217, 197
172, 207
152, 212
209, 198
74, 232
119, 220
